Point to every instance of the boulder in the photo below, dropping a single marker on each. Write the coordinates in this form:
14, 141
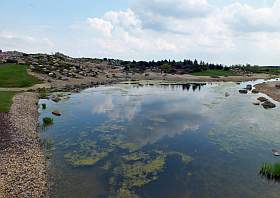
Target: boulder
227, 94
56, 98
268, 105
262, 99
256, 103
56, 113
249, 87
254, 91
243, 91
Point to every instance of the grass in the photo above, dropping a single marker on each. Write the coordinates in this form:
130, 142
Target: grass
214, 72
13, 75
47, 121
271, 171
44, 106
6, 100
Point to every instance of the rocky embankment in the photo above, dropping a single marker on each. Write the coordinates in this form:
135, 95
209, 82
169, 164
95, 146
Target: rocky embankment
272, 89
23, 169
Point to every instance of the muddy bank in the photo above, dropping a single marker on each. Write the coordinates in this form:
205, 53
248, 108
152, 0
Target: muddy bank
271, 89
22, 162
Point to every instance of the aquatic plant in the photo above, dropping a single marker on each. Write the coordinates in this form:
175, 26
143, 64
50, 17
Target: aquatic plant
271, 171
139, 173
47, 121
78, 159
185, 158
44, 106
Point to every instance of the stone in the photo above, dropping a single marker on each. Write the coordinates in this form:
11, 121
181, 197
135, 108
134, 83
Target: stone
249, 87
227, 94
56, 113
56, 98
243, 91
254, 91
262, 99
256, 103
268, 105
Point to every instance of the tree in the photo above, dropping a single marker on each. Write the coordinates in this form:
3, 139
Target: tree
166, 68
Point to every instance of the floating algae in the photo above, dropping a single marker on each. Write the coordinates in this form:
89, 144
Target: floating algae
78, 159
135, 156
132, 167
184, 158
139, 173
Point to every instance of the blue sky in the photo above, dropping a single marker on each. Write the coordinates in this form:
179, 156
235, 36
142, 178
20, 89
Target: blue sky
224, 31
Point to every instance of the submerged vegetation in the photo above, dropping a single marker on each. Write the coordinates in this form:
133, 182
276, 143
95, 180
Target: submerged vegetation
271, 171
132, 167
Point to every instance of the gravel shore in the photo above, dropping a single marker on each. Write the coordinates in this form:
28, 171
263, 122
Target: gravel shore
270, 89
23, 169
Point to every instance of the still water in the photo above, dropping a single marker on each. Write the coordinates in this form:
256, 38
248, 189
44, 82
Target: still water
130, 140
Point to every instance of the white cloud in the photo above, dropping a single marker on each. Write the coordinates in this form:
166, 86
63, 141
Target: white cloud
26, 43
159, 29
101, 25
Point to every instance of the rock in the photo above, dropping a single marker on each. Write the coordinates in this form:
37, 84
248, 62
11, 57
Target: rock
254, 91
268, 105
52, 74
56, 113
249, 87
275, 152
277, 86
256, 103
56, 98
243, 91
227, 94
262, 99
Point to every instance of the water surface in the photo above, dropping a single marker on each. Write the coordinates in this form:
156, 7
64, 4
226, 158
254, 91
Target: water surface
162, 141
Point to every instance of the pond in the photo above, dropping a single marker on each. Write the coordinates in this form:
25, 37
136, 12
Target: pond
160, 140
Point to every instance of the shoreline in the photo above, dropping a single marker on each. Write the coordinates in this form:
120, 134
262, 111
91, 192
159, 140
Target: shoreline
76, 84
23, 166
270, 89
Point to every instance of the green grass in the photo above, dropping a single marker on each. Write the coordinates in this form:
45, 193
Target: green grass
6, 100
47, 121
214, 72
271, 171
13, 75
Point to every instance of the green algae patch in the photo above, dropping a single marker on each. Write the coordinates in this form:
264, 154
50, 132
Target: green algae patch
124, 193
140, 173
79, 159
184, 158
135, 156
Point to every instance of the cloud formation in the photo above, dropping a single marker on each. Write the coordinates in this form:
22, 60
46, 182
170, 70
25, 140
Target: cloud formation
177, 29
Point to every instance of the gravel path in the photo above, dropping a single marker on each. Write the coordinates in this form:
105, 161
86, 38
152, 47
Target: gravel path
23, 172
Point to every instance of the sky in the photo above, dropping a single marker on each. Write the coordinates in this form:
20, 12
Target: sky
218, 31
